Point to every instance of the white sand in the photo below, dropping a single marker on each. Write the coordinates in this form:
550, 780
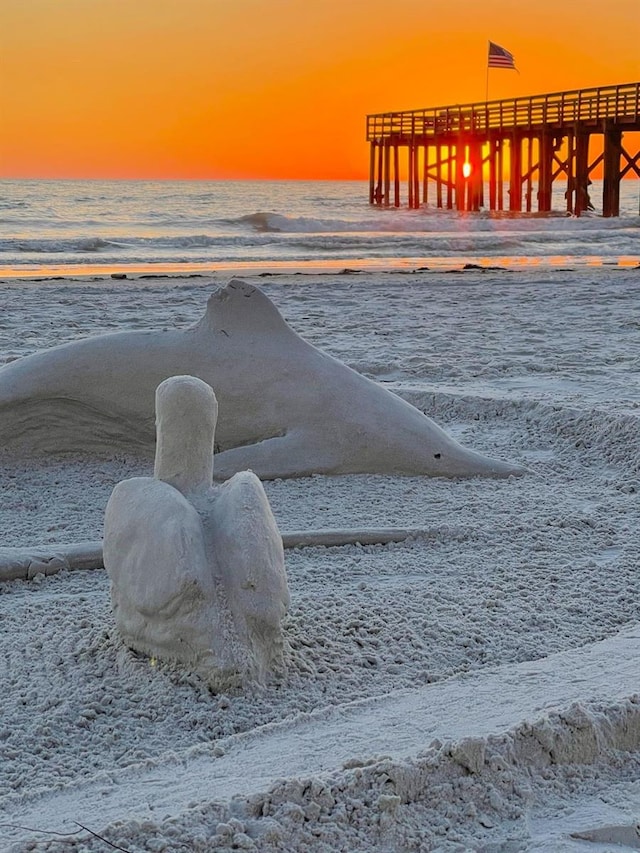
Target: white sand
442, 637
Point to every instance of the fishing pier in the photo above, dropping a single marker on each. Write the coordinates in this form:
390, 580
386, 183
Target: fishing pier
518, 147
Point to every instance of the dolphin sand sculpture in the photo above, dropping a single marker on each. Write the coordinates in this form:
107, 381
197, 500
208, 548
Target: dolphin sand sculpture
288, 409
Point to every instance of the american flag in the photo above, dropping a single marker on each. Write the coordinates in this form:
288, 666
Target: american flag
500, 58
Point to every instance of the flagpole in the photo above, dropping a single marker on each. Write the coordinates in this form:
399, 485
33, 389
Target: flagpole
486, 90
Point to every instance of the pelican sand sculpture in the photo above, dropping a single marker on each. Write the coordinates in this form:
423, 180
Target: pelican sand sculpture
197, 572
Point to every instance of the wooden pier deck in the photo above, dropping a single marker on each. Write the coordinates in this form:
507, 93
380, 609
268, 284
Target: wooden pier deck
450, 152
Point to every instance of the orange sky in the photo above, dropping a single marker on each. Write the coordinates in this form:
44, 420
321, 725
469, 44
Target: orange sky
277, 89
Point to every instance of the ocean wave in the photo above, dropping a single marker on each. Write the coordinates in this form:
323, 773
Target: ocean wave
54, 246
281, 223
119, 243
433, 221
307, 246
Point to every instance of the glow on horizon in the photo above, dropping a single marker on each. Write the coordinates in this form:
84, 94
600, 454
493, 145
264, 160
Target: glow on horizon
253, 89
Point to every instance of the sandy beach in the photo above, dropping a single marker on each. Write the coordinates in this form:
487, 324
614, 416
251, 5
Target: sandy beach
474, 688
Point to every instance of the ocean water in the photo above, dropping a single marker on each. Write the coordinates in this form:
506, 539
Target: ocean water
85, 227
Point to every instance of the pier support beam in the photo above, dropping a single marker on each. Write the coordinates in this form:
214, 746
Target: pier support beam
570, 168
528, 176
372, 172
611, 183
396, 176
416, 175
425, 176
438, 174
461, 181
581, 177
476, 193
410, 177
545, 171
515, 173
451, 159
500, 174
379, 194
386, 177
495, 173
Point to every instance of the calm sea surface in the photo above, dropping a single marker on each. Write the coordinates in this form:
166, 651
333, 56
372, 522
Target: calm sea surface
73, 227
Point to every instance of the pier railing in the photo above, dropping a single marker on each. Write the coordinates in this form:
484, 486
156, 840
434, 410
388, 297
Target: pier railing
621, 103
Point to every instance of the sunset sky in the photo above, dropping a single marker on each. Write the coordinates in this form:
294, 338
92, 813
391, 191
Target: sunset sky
277, 89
